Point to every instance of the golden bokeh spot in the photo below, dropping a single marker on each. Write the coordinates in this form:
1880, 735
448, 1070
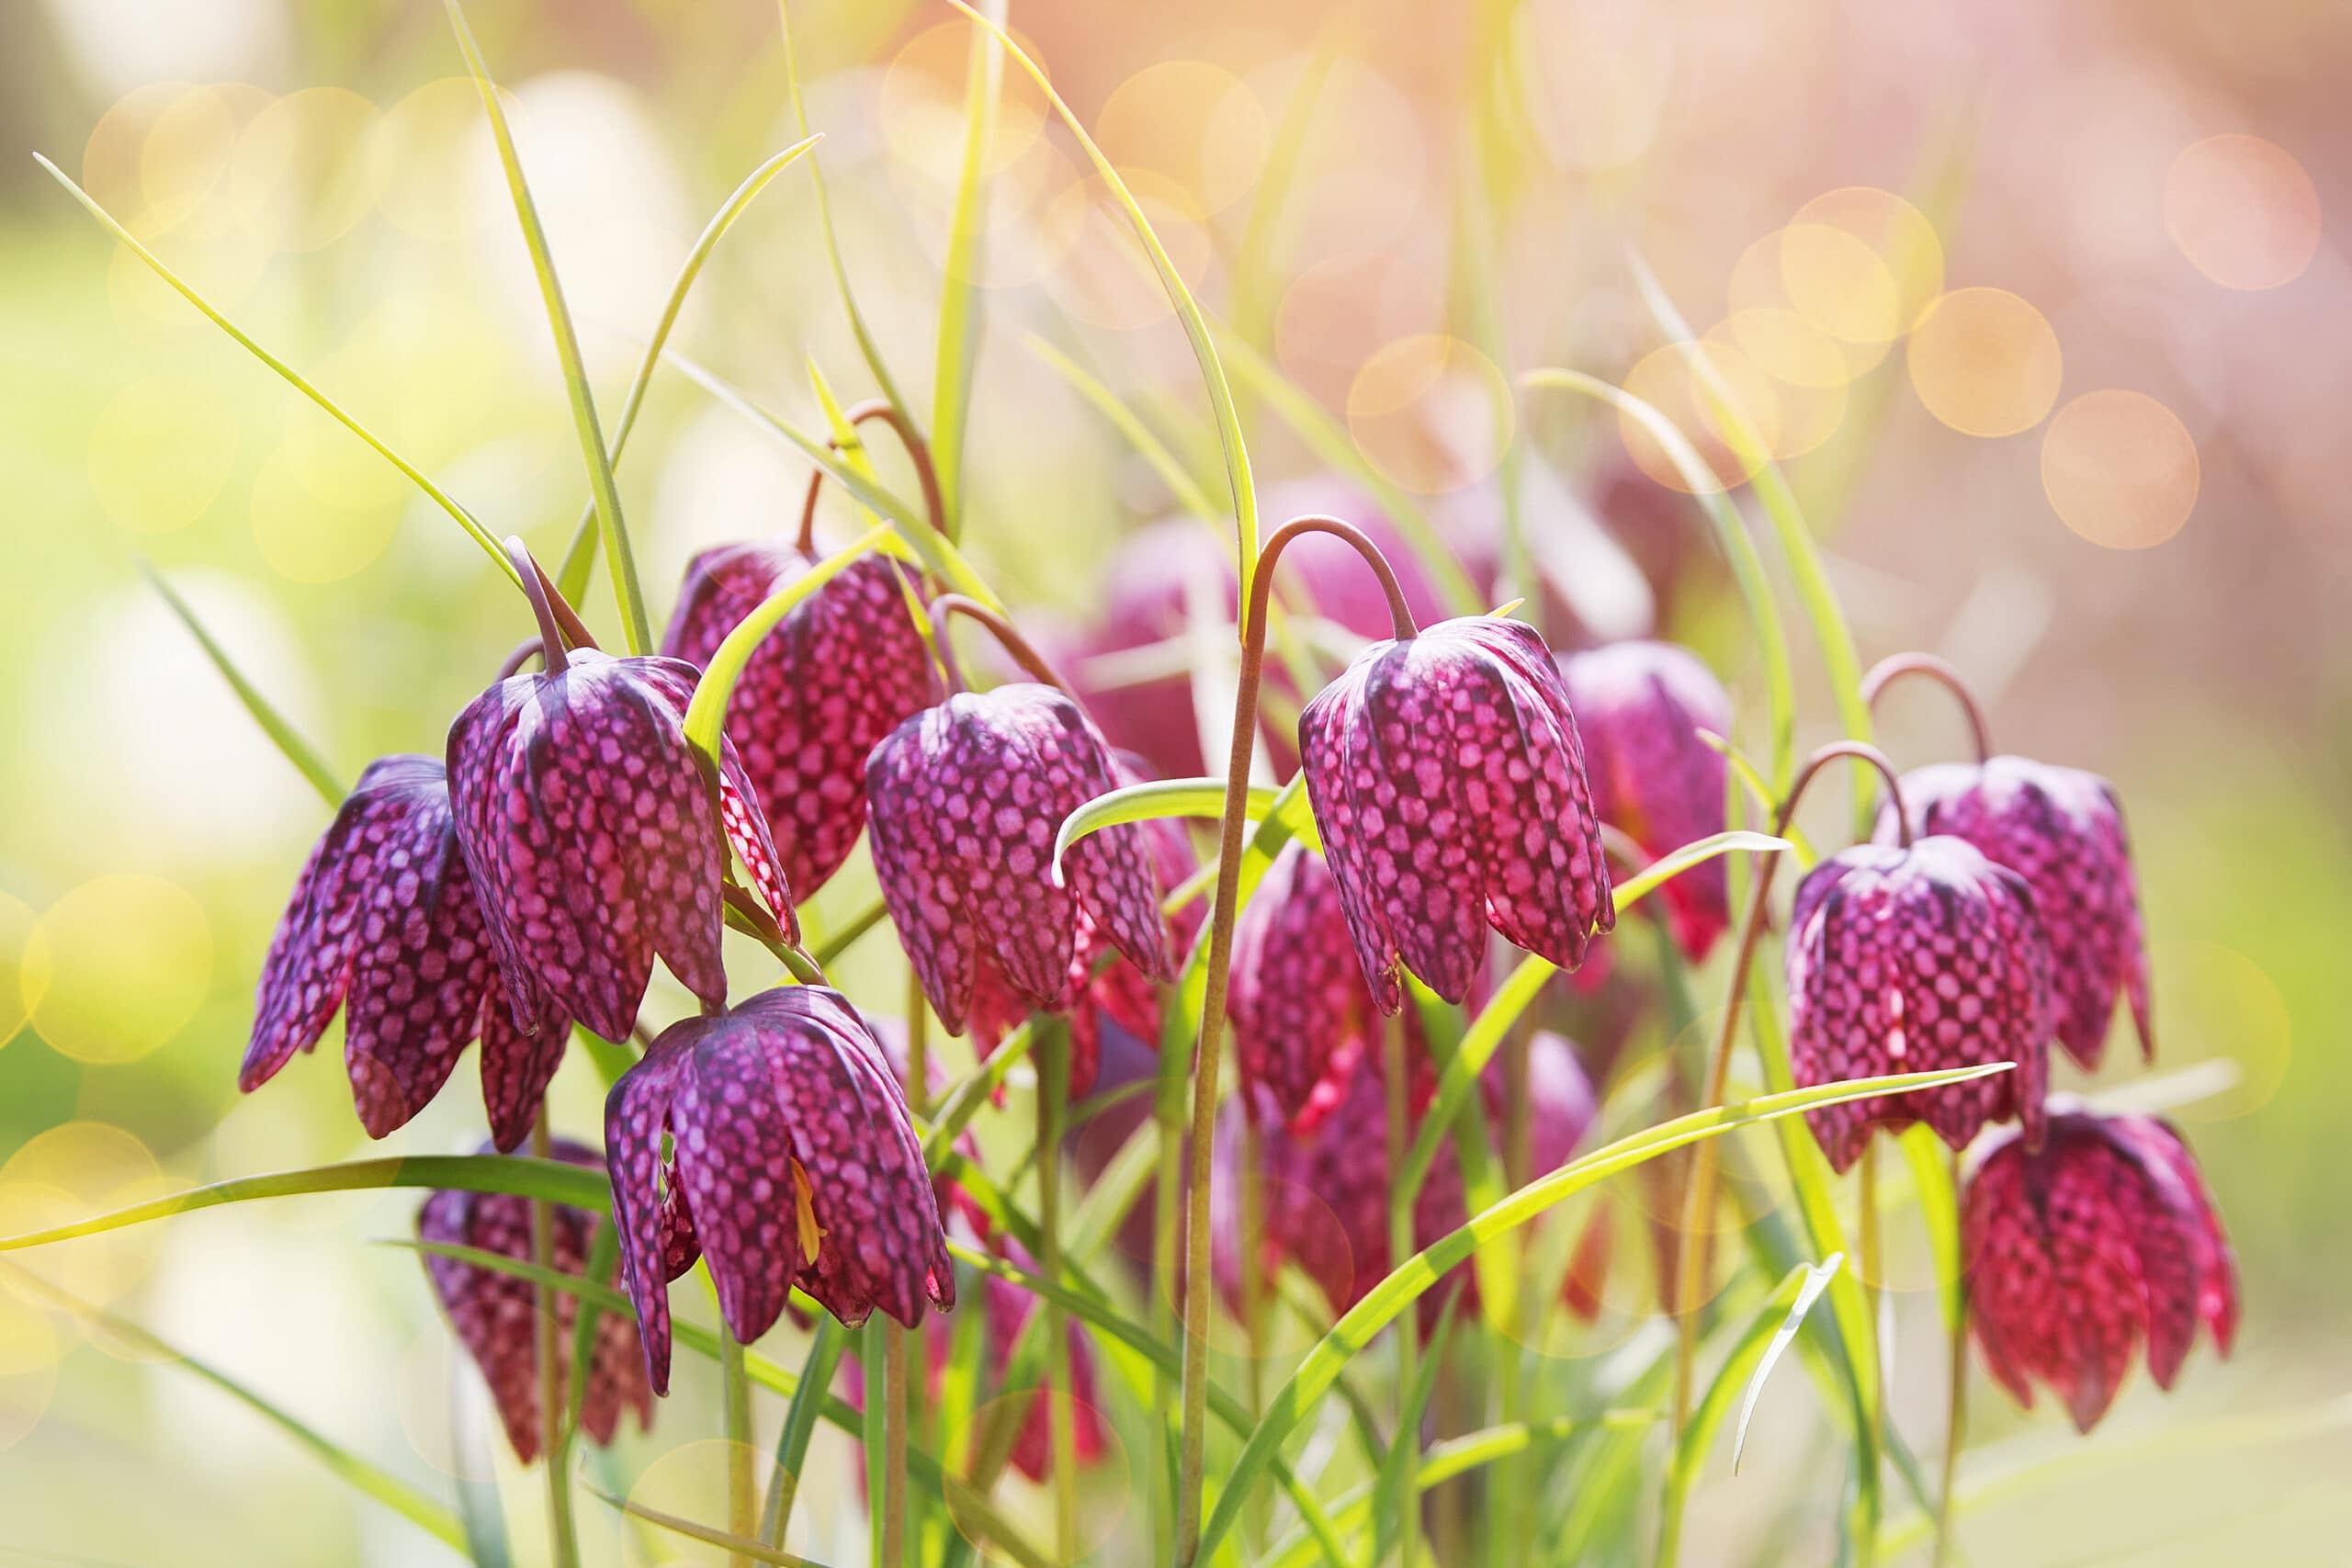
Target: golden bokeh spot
159, 452
185, 160
111, 157
1666, 380
1806, 413
922, 106
308, 526
1337, 312
1106, 276
1195, 124
1837, 282
690, 1482
116, 967
300, 176
17, 923
416, 152
1106, 1485
71, 1172
2242, 211
2120, 468
1596, 78
2215, 1001
1787, 347
1985, 362
1432, 413
1896, 232
1759, 305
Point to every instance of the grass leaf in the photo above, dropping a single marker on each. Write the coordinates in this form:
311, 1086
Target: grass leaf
959, 279
282, 734
1182, 488
1816, 1280
1161, 799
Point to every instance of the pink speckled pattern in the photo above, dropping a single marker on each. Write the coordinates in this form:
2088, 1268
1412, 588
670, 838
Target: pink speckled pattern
836, 675
383, 923
965, 798
1449, 783
1303, 1021
2078, 1254
1906, 960
590, 827
790, 1077
1639, 708
2061, 830
494, 1314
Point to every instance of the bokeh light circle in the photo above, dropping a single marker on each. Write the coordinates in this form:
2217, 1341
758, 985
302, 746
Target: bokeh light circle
2243, 210
1106, 1485
1667, 380
1985, 362
17, 923
2120, 468
2213, 1000
1189, 122
1105, 276
690, 1482
1431, 412
160, 450
1898, 236
69, 1173
416, 152
118, 966
922, 106
309, 525
300, 176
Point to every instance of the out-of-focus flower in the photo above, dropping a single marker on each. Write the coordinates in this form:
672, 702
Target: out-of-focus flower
1912, 959
1449, 783
495, 1315
1639, 707
967, 799
835, 676
1302, 1020
384, 923
2061, 830
794, 1163
2077, 1253
588, 825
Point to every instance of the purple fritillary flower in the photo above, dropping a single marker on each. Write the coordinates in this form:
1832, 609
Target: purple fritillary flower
2061, 830
1639, 707
587, 822
793, 1163
384, 924
1911, 960
965, 799
837, 674
1303, 1018
2077, 1253
495, 1315
1449, 782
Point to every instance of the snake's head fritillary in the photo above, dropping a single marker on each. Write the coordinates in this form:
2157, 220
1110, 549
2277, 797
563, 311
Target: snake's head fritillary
836, 675
1905, 960
384, 924
796, 1163
590, 828
2061, 830
1448, 781
1303, 1021
1639, 708
495, 1314
2080, 1252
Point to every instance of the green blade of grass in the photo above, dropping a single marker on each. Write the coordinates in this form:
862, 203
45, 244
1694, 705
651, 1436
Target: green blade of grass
741, 1547
1257, 252
282, 734
291, 377
959, 282
1163, 799
619, 561
1182, 488
800, 1417
1397, 1493
478, 1513
1938, 1202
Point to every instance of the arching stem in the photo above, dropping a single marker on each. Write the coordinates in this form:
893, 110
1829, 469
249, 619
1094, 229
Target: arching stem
917, 453
560, 623
1955, 1407
564, 1548
1888, 671
948, 605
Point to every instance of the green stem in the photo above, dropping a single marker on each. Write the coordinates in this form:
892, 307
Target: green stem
735, 1398
564, 1539
1955, 1414
1053, 1091
1871, 1258
1400, 1246
895, 1414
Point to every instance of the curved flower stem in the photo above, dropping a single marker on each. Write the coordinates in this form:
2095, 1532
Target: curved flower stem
1061, 1419
534, 588
917, 453
1025, 653
1955, 1408
1400, 1245
893, 1436
735, 1399
563, 1541
1888, 671
1206, 1064
1694, 1257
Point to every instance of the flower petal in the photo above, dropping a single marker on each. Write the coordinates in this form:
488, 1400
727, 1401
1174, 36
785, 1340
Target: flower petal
637, 1114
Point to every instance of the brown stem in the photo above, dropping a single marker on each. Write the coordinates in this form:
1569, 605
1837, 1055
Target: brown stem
917, 453
551, 649
1886, 671
513, 663
948, 605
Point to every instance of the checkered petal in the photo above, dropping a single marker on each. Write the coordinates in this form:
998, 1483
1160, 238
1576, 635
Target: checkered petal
1448, 781
655, 1233
516, 1067
1303, 1022
741, 818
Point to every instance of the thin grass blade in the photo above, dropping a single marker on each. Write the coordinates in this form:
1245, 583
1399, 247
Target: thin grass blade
282, 734
959, 283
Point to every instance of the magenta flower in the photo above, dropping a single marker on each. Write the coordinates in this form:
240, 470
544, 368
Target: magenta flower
384, 924
1639, 707
1303, 1018
590, 828
967, 797
2061, 830
793, 1163
495, 1315
1912, 959
835, 676
2077, 1253
1448, 781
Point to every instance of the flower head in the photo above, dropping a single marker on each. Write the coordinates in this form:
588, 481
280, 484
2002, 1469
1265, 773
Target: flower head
495, 1314
1909, 960
2061, 830
835, 676
1639, 707
794, 1164
1448, 781
384, 924
587, 823
1303, 1018
2078, 1252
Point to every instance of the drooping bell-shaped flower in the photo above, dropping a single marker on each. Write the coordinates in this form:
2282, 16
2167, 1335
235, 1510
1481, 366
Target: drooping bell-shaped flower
384, 923
1448, 780
837, 674
495, 1315
1639, 708
2078, 1253
592, 831
794, 1164
1302, 1020
1913, 958
2061, 830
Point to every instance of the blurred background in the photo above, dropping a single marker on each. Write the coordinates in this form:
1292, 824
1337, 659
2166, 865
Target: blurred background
2046, 311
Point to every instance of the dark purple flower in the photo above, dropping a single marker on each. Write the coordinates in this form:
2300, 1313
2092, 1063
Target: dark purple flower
1302, 1020
1639, 707
1448, 781
793, 1163
495, 1315
1910, 960
589, 825
384, 923
967, 797
2061, 830
2077, 1253
835, 676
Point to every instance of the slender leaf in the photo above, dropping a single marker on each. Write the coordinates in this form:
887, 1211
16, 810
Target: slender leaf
709, 1535
282, 734
1815, 1280
1162, 799
959, 282
1397, 1497
800, 1417
470, 1444
1931, 1164
1181, 485
706, 715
